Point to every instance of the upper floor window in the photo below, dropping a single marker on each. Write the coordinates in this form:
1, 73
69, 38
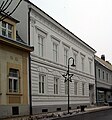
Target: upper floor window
13, 80
6, 29
90, 67
41, 45
82, 63
103, 75
65, 56
99, 73
75, 59
107, 77
55, 85
55, 52
41, 42
75, 56
41, 83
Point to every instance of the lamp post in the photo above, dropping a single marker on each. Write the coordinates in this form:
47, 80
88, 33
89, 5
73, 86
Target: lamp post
67, 77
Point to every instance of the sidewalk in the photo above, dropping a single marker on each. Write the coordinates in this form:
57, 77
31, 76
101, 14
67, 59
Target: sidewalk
50, 116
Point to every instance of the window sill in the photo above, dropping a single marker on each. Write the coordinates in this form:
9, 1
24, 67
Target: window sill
18, 94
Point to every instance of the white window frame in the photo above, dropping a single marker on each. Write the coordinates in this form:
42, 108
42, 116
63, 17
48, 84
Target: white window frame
55, 52
99, 73
82, 63
41, 40
7, 30
55, 42
75, 56
41, 45
103, 75
107, 77
56, 85
42, 78
12, 78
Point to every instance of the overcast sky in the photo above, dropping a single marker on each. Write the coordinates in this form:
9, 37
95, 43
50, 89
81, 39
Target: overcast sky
90, 20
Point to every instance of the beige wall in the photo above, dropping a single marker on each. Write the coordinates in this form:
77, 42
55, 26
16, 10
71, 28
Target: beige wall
13, 58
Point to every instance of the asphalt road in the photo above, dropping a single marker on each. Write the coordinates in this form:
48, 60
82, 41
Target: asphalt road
97, 115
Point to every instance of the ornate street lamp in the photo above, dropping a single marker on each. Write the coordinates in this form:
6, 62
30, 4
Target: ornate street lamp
4, 8
68, 76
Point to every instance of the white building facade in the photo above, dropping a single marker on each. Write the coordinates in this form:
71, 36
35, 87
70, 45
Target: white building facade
53, 45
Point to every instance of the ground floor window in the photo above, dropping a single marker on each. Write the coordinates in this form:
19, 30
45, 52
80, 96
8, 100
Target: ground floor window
41, 83
13, 80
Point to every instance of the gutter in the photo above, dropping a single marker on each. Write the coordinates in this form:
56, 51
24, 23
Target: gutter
30, 85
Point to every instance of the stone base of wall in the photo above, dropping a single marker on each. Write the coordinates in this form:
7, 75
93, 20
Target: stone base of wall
54, 108
6, 110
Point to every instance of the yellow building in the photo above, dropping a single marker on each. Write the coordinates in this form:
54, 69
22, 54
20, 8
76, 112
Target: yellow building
14, 54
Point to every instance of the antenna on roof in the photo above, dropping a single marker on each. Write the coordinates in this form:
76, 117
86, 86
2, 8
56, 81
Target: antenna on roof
7, 8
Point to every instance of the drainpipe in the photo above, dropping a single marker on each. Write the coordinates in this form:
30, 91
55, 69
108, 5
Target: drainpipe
30, 85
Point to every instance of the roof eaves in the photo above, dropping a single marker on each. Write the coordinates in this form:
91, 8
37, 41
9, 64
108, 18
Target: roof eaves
62, 26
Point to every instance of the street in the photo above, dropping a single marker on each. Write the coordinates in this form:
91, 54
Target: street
97, 115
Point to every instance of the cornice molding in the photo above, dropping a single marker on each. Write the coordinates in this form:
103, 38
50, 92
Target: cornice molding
37, 17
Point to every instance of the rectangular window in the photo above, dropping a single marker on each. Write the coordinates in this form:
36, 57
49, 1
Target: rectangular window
82, 63
7, 29
41, 83
13, 80
75, 88
90, 67
55, 85
107, 76
75, 59
103, 75
83, 90
55, 52
41, 45
99, 73
65, 56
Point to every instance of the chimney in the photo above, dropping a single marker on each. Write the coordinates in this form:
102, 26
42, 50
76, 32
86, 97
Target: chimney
103, 57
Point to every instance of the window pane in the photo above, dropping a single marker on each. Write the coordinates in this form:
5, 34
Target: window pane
82, 63
3, 24
10, 85
13, 80
9, 26
55, 85
99, 73
41, 83
13, 73
15, 86
65, 56
40, 45
9, 34
103, 75
39, 87
55, 52
90, 67
42, 87
4, 32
